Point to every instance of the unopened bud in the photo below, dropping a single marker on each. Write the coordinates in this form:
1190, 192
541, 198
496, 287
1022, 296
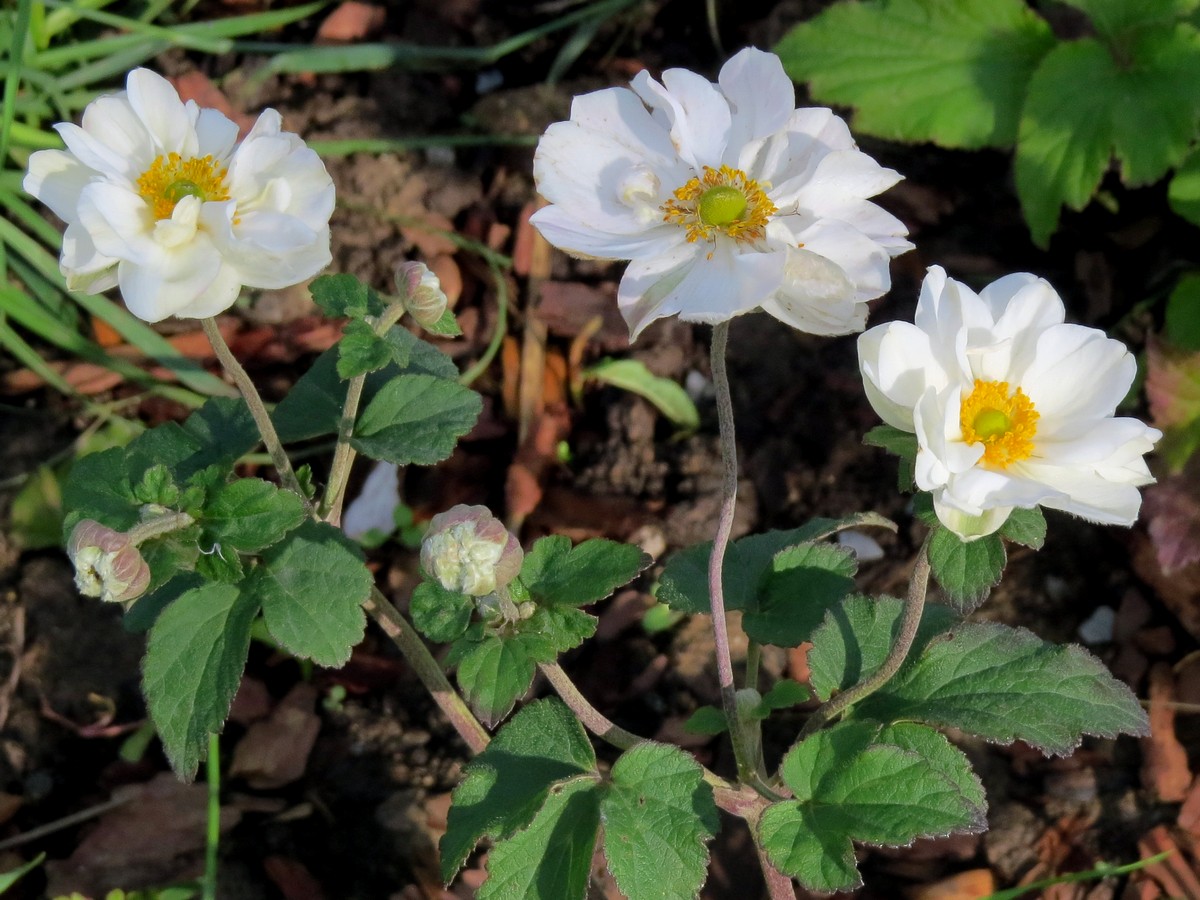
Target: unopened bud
421, 291
469, 551
107, 564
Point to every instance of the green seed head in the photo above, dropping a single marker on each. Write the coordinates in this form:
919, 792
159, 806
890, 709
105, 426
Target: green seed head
722, 205
177, 190
991, 423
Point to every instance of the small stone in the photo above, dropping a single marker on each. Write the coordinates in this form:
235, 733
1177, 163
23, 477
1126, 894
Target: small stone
1098, 627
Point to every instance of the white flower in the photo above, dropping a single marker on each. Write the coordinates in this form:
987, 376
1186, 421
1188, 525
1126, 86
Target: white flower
469, 551
724, 196
1011, 407
158, 200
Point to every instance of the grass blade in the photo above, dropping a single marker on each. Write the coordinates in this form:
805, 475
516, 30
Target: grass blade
12, 79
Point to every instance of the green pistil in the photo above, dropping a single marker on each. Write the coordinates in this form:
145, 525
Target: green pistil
991, 423
722, 205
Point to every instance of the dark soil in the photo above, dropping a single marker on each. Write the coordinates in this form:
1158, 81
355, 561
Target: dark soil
361, 821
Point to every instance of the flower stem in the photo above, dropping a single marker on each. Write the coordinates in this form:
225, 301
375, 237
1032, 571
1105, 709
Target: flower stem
396, 627
212, 836
779, 886
745, 763
158, 526
594, 720
258, 409
343, 455
914, 606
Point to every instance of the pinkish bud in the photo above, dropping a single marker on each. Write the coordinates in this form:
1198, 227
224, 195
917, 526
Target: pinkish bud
421, 291
107, 564
469, 551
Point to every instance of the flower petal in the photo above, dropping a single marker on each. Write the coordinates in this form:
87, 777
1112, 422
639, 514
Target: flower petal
815, 295
160, 110
216, 134
694, 110
57, 178
172, 281
1077, 372
897, 368
118, 222
580, 239
864, 261
111, 120
761, 95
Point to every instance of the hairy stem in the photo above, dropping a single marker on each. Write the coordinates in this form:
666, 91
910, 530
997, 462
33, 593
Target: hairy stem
745, 763
212, 834
258, 409
779, 886
158, 526
404, 636
343, 455
914, 606
593, 720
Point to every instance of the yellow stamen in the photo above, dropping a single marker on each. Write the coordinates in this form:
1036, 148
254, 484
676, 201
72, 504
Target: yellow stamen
723, 200
170, 178
1005, 424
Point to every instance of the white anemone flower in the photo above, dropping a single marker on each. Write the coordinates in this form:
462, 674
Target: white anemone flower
1012, 407
725, 198
158, 200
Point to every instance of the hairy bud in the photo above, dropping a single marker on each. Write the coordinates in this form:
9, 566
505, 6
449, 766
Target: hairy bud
422, 292
469, 551
107, 564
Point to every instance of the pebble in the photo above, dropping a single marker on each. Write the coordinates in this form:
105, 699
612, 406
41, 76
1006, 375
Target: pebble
1098, 627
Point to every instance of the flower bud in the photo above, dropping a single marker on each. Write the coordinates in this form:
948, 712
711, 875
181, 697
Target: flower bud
421, 291
469, 551
107, 564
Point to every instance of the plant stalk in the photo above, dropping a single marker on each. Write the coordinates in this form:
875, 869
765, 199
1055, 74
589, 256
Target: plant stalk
741, 751
396, 627
258, 409
914, 606
212, 837
593, 720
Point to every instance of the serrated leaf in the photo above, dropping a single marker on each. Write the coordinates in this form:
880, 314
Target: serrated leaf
1183, 193
313, 406
1181, 321
225, 431
1006, 684
439, 614
706, 720
416, 419
942, 756
157, 486
505, 785
851, 784
167, 445
251, 514
1025, 526
785, 693
564, 627
949, 71
1083, 105
446, 326
666, 395
658, 815
496, 672
1115, 18
171, 554
557, 573
857, 636
98, 488
341, 296
893, 440
803, 582
684, 582
361, 350
194, 660
966, 570
221, 565
552, 858
313, 585
146, 609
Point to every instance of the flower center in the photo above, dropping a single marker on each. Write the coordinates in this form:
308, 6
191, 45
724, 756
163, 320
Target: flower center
723, 200
170, 178
1005, 424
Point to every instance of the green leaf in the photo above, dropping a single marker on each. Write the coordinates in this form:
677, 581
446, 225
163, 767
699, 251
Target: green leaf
557, 573
966, 570
342, 296
251, 514
221, 565
942, 756
12, 876
313, 585
313, 407
167, 445
1183, 193
667, 396
225, 431
552, 858
98, 488
1069, 133
706, 720
194, 661
145, 611
893, 440
505, 785
852, 784
804, 581
857, 636
949, 71
1006, 684
785, 693
416, 419
1025, 526
496, 672
684, 582
157, 487
563, 627
361, 350
658, 815
171, 554
1114, 19
1182, 318
439, 614
446, 326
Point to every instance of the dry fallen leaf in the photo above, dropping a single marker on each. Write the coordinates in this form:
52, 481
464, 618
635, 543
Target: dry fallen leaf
968, 885
274, 751
352, 21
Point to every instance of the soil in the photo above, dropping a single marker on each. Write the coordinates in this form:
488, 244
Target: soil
360, 817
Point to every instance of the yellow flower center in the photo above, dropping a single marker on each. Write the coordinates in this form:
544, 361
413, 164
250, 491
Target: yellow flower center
723, 200
1005, 424
170, 178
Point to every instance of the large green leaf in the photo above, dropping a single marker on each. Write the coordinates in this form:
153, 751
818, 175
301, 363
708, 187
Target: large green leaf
857, 782
361, 350
658, 817
312, 586
505, 785
98, 488
1084, 104
250, 514
416, 419
949, 71
439, 614
1115, 19
551, 859
1025, 526
632, 375
194, 661
857, 636
1184, 191
1006, 684
966, 570
558, 574
344, 295
496, 671
804, 581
